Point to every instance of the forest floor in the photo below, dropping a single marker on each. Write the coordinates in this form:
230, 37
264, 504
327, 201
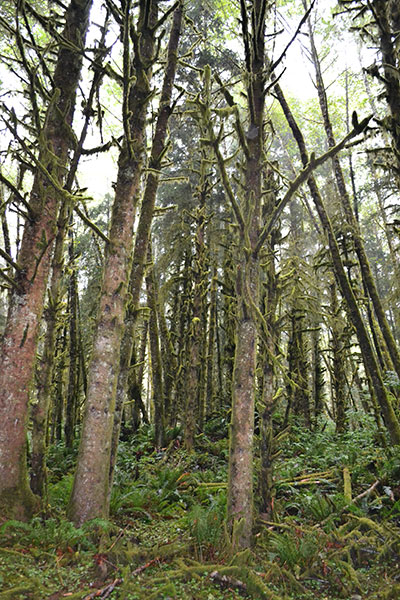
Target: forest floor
166, 536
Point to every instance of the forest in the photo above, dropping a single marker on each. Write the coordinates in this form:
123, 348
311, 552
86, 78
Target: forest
200, 299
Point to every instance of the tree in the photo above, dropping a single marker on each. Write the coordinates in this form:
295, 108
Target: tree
90, 494
31, 271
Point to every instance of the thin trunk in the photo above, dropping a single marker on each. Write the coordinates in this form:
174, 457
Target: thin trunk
73, 388
182, 339
156, 363
169, 365
338, 363
58, 386
210, 385
270, 350
194, 409
318, 373
45, 366
228, 328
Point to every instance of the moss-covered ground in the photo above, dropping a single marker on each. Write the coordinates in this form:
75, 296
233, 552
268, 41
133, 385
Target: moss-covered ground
166, 536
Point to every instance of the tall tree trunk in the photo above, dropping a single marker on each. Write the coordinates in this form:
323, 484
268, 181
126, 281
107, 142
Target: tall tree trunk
194, 410
90, 498
228, 323
182, 338
270, 350
318, 373
212, 325
45, 365
158, 150
26, 307
71, 406
338, 362
157, 386
169, 366
240, 469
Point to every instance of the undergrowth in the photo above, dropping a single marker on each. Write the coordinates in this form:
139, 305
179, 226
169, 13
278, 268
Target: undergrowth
166, 535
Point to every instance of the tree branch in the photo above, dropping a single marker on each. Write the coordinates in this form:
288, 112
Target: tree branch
303, 176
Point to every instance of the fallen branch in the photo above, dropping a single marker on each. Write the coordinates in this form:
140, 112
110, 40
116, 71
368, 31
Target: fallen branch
367, 492
105, 591
228, 582
146, 566
309, 479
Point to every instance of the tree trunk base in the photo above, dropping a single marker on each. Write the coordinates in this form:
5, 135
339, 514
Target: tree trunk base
19, 504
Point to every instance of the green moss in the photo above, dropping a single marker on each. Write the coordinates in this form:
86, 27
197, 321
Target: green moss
19, 503
17, 592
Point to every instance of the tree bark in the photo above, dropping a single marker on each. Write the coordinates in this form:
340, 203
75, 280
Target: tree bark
146, 218
240, 468
45, 366
157, 386
26, 307
90, 498
338, 362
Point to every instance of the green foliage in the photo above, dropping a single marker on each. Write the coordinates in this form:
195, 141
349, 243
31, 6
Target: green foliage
128, 501
61, 460
217, 426
53, 534
320, 507
170, 508
392, 380
299, 551
206, 526
59, 492
322, 449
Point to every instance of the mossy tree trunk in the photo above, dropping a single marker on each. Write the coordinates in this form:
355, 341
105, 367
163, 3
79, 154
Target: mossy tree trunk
228, 321
182, 328
240, 468
26, 306
269, 353
318, 369
210, 359
134, 412
72, 400
299, 366
159, 149
90, 497
170, 366
46, 364
337, 343
196, 374
157, 380
355, 316
367, 275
